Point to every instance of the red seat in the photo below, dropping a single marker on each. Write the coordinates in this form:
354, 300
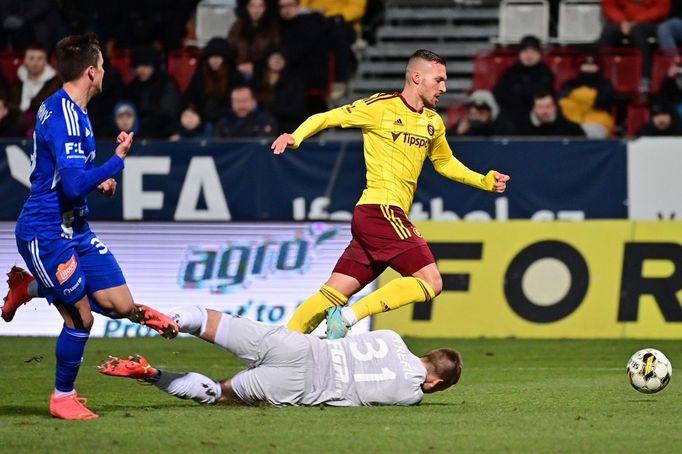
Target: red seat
455, 112
623, 67
564, 66
488, 68
637, 116
10, 60
121, 59
182, 64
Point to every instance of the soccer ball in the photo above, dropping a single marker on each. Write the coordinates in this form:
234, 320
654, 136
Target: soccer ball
649, 371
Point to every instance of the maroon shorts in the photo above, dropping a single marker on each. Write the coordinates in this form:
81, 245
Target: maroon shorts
382, 237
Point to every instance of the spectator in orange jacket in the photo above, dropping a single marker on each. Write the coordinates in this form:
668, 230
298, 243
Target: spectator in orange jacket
636, 21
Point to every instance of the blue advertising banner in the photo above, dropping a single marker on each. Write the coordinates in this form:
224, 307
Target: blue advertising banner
242, 181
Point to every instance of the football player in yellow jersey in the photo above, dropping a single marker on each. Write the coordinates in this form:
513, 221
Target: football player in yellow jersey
399, 131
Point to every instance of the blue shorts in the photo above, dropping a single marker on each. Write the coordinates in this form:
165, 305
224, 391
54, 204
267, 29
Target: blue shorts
67, 269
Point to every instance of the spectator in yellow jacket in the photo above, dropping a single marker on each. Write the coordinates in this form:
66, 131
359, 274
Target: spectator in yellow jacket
588, 99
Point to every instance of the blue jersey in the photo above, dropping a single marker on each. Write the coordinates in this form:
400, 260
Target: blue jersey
62, 139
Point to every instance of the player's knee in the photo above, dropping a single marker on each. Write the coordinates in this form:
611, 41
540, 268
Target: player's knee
77, 316
436, 283
88, 321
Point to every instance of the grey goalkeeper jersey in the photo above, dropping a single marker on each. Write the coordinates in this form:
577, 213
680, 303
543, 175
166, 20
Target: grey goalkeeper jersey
374, 368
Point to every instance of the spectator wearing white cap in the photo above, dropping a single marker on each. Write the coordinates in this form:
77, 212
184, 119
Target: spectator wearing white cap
479, 120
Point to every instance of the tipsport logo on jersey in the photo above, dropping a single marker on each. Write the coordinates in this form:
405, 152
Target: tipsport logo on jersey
411, 140
237, 266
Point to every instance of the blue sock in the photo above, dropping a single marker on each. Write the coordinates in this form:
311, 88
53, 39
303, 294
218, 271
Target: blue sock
70, 348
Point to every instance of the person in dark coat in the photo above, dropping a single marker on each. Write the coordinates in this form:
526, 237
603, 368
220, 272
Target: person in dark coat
209, 91
245, 119
10, 126
102, 105
671, 86
545, 119
280, 91
516, 86
27, 22
155, 94
663, 121
252, 35
479, 120
305, 39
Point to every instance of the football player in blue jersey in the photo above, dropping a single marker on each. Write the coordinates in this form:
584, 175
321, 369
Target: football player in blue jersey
68, 264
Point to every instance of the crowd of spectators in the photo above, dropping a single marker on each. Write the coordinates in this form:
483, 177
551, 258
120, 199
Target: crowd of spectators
526, 100
281, 61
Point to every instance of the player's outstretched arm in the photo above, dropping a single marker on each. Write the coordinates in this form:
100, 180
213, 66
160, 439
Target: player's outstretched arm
310, 127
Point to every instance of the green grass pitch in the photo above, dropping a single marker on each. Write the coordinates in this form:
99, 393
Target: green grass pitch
514, 396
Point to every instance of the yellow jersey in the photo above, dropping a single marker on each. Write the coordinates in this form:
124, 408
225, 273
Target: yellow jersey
397, 139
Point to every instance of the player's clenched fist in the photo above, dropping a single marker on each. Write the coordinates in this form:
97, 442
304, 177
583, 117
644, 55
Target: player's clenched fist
282, 142
124, 141
500, 182
108, 187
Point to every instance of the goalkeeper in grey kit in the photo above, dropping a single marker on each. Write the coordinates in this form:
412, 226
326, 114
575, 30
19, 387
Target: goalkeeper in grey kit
291, 368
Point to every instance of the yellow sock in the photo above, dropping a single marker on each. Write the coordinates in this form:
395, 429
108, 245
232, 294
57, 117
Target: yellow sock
397, 293
311, 313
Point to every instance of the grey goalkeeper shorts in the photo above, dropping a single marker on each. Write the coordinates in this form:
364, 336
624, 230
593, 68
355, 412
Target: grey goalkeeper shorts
279, 361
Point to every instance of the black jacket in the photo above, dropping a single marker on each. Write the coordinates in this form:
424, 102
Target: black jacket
670, 90
675, 129
561, 127
211, 108
256, 124
515, 89
158, 102
306, 43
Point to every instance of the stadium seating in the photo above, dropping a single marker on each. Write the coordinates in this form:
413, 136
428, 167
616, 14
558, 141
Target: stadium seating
519, 18
623, 67
489, 66
214, 18
564, 65
10, 60
182, 64
579, 21
637, 115
122, 60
